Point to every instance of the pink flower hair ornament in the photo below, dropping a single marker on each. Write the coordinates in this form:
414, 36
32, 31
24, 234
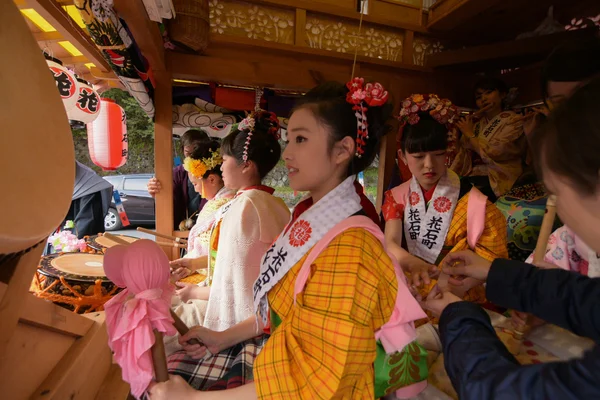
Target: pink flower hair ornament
248, 123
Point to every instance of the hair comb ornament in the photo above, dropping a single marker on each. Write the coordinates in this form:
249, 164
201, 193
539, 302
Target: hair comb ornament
442, 110
248, 124
361, 96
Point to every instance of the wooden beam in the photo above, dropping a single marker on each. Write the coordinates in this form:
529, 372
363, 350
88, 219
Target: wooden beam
293, 76
39, 312
330, 9
300, 26
48, 36
75, 60
63, 23
503, 54
445, 15
145, 32
163, 154
291, 50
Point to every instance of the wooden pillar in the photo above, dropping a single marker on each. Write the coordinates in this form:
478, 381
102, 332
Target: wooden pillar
300, 25
163, 153
387, 152
407, 48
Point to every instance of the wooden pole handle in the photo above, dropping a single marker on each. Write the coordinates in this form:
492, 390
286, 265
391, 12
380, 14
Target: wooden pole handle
545, 230
116, 239
159, 358
181, 327
161, 235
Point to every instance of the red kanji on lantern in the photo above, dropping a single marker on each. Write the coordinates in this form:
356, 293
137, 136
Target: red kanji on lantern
107, 137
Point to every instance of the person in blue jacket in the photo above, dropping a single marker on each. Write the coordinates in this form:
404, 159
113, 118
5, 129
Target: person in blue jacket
478, 364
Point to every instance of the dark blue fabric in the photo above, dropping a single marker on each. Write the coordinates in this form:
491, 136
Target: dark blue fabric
479, 365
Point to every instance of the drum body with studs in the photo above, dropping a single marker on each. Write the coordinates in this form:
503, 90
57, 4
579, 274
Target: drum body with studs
75, 281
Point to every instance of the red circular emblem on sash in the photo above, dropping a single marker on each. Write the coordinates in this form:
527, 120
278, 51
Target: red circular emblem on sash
414, 198
442, 204
300, 233
505, 115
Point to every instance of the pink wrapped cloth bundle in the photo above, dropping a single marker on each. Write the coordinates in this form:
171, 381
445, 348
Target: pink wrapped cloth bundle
133, 316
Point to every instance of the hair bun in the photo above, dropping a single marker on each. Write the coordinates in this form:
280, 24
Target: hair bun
268, 123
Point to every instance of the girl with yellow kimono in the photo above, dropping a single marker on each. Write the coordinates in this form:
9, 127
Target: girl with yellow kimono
337, 306
436, 212
243, 230
492, 150
204, 171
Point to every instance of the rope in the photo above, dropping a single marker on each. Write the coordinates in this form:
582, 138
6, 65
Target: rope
362, 9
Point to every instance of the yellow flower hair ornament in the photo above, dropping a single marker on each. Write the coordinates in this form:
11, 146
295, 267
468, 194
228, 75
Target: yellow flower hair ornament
195, 167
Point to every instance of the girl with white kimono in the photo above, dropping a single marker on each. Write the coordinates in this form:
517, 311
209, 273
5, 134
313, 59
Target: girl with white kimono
242, 232
204, 171
492, 150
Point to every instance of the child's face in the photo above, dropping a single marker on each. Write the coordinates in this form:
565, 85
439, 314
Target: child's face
488, 98
427, 167
311, 166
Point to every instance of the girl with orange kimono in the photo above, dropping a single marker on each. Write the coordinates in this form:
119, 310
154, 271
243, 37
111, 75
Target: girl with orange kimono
436, 212
338, 307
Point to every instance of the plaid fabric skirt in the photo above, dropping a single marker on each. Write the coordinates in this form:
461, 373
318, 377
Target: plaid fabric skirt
228, 369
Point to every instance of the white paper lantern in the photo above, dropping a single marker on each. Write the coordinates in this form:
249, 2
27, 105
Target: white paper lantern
87, 107
107, 137
65, 83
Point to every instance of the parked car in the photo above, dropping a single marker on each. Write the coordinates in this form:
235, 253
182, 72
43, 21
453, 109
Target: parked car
138, 204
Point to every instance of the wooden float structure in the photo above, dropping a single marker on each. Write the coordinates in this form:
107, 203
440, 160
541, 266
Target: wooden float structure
409, 46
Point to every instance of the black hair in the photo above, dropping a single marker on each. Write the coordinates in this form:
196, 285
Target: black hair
205, 150
328, 104
264, 149
569, 141
572, 61
426, 135
192, 138
490, 83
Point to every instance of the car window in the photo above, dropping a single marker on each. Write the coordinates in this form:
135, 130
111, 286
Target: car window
135, 184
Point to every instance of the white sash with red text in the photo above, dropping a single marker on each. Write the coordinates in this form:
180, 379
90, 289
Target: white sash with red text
425, 228
300, 236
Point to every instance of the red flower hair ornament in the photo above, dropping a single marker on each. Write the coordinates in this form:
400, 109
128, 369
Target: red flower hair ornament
362, 96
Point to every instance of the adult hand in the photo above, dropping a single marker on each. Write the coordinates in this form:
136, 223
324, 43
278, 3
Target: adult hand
438, 300
520, 320
211, 342
529, 125
466, 126
188, 291
153, 186
465, 264
176, 388
421, 272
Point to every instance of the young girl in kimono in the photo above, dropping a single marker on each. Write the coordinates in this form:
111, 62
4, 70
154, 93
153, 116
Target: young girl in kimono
243, 230
491, 150
204, 171
436, 212
327, 289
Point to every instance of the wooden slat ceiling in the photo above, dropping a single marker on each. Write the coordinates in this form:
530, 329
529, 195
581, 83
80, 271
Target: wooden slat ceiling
506, 19
49, 43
